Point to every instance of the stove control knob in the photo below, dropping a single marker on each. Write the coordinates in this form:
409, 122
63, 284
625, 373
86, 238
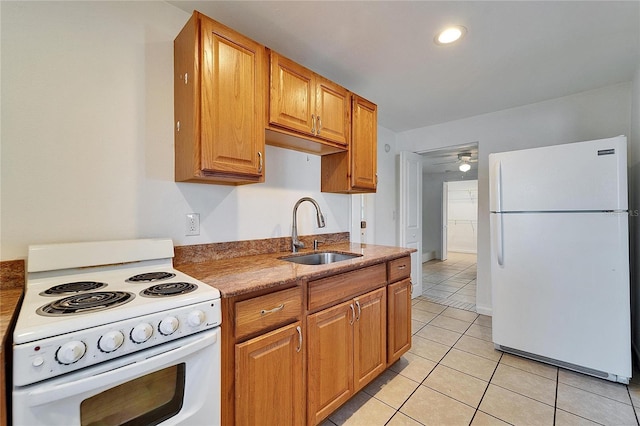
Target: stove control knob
168, 326
141, 333
111, 341
196, 318
70, 352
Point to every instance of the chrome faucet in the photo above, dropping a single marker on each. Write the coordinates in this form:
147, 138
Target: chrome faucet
295, 242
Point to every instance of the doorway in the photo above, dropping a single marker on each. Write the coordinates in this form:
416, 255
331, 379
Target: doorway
449, 226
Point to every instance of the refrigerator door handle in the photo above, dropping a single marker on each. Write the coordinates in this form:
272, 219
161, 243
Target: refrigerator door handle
500, 240
499, 188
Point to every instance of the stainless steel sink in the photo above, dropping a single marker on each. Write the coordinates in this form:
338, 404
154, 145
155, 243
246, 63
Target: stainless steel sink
320, 258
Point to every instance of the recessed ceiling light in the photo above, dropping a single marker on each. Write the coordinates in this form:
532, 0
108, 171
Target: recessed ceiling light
450, 34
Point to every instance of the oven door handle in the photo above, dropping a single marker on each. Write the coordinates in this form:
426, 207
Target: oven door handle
143, 365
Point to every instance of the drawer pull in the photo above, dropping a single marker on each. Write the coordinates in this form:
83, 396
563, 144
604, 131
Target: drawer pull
402, 266
299, 330
270, 311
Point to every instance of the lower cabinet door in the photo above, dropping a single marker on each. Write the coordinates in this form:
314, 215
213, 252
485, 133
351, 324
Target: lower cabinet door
269, 378
399, 319
329, 361
370, 337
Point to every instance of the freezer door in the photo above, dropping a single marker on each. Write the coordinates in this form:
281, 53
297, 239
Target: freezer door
577, 176
561, 288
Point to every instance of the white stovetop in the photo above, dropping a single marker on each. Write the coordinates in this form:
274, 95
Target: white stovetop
32, 326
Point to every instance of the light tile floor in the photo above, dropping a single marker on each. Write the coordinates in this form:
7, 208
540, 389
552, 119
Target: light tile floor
451, 282
453, 376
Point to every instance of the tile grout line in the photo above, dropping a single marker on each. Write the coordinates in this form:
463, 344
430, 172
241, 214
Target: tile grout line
427, 376
635, 412
485, 392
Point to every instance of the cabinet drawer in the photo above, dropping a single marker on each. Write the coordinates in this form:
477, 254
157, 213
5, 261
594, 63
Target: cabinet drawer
261, 313
399, 269
336, 288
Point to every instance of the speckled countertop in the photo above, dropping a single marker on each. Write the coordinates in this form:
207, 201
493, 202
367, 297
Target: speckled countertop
241, 275
11, 286
232, 276
9, 299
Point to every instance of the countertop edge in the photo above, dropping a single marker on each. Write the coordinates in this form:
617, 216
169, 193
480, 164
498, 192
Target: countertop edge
243, 275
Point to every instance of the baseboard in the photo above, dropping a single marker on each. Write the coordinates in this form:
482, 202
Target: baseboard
463, 251
428, 256
483, 310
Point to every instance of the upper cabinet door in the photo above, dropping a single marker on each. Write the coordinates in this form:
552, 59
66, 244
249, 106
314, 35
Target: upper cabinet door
232, 130
292, 95
332, 111
306, 103
364, 145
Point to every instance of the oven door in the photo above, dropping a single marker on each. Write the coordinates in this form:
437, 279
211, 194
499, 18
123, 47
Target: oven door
178, 382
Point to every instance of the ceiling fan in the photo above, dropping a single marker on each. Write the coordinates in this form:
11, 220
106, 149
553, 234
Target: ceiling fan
464, 160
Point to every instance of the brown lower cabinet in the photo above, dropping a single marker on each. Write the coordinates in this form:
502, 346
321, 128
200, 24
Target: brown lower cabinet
398, 308
293, 356
269, 379
399, 322
347, 349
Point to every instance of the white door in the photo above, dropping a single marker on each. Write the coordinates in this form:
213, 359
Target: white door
410, 214
577, 176
560, 284
445, 221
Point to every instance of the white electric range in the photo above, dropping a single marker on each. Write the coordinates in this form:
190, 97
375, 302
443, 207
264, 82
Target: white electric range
90, 308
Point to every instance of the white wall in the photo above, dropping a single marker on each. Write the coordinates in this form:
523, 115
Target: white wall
634, 211
87, 137
385, 197
589, 115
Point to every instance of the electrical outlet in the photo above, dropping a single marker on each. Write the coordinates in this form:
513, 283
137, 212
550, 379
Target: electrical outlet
192, 224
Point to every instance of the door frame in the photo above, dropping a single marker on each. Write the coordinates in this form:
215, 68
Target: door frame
445, 221
410, 191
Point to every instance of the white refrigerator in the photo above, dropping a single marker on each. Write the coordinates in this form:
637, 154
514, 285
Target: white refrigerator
560, 256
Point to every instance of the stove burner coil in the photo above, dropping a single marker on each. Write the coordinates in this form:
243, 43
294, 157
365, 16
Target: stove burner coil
85, 303
150, 277
168, 289
73, 287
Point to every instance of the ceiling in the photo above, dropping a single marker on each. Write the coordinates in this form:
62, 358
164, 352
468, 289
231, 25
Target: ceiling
514, 53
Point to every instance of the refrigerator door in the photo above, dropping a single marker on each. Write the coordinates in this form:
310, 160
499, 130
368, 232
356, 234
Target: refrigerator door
577, 176
560, 285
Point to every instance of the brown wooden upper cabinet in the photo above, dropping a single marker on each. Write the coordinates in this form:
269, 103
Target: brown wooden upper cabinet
355, 171
219, 104
306, 103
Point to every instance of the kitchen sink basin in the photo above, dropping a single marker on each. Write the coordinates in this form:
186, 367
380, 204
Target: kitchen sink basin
319, 258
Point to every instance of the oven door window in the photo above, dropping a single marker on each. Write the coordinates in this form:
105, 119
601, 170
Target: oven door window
147, 400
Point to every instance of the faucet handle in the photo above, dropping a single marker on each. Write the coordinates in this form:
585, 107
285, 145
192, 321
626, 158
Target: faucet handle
316, 243
295, 245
